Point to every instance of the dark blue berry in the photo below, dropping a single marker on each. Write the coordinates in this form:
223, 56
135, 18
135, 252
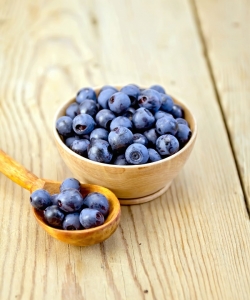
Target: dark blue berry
120, 138
151, 135
71, 139
83, 124
158, 88
132, 91
97, 201
105, 87
85, 93
70, 200
177, 111
54, 199
71, 183
181, 121
153, 155
88, 107
121, 121
104, 118
129, 113
99, 133
90, 218
143, 119
100, 151
72, 222
104, 96
136, 154
167, 145
160, 113
72, 110
80, 146
64, 125
40, 199
166, 103
120, 160
119, 102
140, 138
150, 99
54, 216
166, 125
183, 134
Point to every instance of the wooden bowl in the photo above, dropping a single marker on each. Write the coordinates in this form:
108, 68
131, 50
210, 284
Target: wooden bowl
131, 184
87, 237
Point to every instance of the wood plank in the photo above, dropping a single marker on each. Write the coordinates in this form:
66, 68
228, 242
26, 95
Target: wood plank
190, 243
226, 35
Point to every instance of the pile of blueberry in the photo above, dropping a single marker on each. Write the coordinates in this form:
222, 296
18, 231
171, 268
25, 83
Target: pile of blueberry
127, 127
69, 210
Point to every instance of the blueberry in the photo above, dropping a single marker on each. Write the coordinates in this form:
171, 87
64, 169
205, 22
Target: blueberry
160, 113
88, 107
121, 121
183, 134
104, 96
158, 88
120, 160
181, 121
104, 118
54, 216
105, 87
151, 135
71, 139
167, 145
129, 113
132, 91
166, 125
80, 146
143, 119
90, 218
140, 138
72, 110
150, 99
72, 222
136, 154
71, 183
153, 155
166, 103
177, 111
40, 199
97, 201
100, 151
70, 200
85, 93
119, 102
120, 138
54, 199
99, 133
83, 124
64, 125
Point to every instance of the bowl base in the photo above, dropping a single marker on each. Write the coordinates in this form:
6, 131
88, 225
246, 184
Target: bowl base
144, 199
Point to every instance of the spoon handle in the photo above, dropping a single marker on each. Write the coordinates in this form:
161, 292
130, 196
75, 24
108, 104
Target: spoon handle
16, 172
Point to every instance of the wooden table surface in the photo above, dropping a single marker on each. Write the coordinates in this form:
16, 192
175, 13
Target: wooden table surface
193, 242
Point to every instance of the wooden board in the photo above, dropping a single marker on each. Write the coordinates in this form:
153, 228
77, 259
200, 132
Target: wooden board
191, 243
226, 34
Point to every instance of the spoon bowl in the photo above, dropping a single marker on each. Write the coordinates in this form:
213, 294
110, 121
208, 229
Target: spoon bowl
85, 237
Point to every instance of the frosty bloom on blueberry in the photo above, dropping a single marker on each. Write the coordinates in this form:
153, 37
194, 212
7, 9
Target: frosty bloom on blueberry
105, 125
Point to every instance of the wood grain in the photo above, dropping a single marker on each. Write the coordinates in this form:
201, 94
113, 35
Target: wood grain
226, 33
193, 242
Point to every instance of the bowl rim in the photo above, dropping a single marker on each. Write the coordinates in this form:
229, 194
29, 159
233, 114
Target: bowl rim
146, 165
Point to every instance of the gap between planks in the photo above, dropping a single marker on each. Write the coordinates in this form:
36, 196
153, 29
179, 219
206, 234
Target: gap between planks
201, 36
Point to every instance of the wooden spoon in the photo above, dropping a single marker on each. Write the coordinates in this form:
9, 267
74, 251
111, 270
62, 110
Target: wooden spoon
85, 237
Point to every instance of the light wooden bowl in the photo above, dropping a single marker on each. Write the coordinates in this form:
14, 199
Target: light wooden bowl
131, 184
